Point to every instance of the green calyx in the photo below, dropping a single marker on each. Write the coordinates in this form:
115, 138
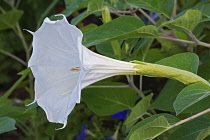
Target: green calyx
156, 70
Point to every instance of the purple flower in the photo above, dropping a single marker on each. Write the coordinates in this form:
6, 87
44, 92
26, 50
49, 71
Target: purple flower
82, 133
120, 115
108, 138
154, 16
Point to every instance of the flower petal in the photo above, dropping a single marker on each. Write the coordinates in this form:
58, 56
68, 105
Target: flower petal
57, 68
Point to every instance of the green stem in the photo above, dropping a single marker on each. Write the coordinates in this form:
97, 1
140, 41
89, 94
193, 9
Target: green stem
45, 13
134, 87
20, 34
13, 56
190, 118
185, 41
116, 47
107, 18
156, 70
6, 95
97, 128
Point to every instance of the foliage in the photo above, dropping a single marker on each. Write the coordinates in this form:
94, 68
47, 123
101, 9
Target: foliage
177, 36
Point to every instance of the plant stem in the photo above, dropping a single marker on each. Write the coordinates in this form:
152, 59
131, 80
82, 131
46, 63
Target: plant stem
134, 87
14, 57
186, 41
45, 13
20, 34
190, 118
107, 18
97, 128
147, 16
2, 10
116, 47
175, 8
108, 86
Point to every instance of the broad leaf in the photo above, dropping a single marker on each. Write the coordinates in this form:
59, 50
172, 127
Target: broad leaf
7, 124
9, 19
105, 48
204, 70
167, 96
203, 134
151, 129
137, 112
153, 55
92, 7
169, 47
88, 28
184, 61
159, 6
190, 130
170, 119
11, 111
107, 101
191, 95
119, 28
74, 5
187, 22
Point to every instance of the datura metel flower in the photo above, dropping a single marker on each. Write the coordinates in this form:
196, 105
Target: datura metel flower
62, 66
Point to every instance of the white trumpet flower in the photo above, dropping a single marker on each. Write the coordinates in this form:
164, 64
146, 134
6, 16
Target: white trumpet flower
62, 67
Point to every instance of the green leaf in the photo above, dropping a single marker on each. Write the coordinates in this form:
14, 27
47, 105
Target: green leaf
105, 48
92, 7
190, 130
184, 61
10, 19
46, 12
119, 28
186, 22
24, 74
204, 70
191, 95
74, 5
169, 47
7, 110
203, 134
170, 119
159, 6
151, 129
7, 124
167, 96
88, 28
153, 55
137, 112
107, 101
205, 9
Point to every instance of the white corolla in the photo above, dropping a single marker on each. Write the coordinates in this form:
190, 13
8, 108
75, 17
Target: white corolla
62, 67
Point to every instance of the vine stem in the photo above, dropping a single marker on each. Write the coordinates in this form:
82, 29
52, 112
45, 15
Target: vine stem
190, 118
20, 34
134, 87
14, 57
185, 41
108, 86
147, 16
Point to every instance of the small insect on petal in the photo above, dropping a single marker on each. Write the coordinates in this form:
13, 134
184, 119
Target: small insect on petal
75, 69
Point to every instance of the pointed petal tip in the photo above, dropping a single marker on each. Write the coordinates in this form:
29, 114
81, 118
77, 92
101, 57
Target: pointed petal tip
29, 31
31, 103
64, 125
